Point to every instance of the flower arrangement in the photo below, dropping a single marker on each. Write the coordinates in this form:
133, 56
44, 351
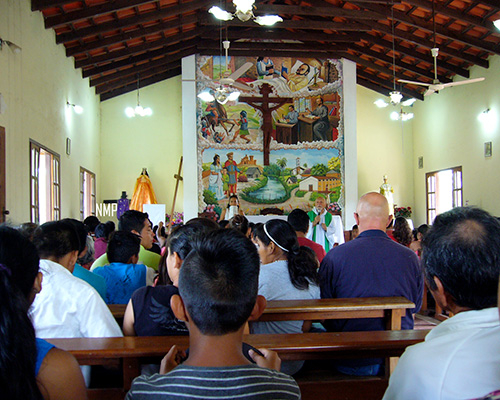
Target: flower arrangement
334, 207
404, 212
178, 218
213, 210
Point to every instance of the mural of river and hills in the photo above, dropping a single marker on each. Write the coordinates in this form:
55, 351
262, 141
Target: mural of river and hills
300, 131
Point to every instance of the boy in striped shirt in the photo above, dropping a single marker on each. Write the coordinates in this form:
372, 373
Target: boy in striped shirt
218, 293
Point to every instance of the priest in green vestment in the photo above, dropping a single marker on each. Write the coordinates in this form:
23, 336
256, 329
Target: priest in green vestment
323, 229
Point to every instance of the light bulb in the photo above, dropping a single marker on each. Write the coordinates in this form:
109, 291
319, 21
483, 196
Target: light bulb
381, 103
219, 13
148, 112
409, 102
243, 5
233, 96
497, 24
205, 96
394, 115
78, 109
268, 20
138, 109
395, 97
129, 112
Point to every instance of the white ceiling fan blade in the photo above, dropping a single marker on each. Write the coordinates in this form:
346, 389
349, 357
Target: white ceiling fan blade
414, 82
429, 91
240, 71
465, 82
242, 86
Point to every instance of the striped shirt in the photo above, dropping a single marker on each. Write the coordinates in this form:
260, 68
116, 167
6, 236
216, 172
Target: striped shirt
239, 382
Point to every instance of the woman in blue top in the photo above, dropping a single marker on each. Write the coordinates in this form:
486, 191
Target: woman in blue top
29, 368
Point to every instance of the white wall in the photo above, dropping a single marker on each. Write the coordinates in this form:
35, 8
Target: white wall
155, 143
385, 147
448, 134
36, 84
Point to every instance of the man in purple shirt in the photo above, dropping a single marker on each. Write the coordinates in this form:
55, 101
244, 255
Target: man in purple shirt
372, 265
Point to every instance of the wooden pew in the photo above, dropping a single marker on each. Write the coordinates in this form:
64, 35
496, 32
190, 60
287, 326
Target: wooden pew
392, 309
130, 352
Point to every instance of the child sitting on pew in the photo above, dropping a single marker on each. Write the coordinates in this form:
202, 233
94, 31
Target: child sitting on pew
123, 275
148, 312
29, 368
218, 293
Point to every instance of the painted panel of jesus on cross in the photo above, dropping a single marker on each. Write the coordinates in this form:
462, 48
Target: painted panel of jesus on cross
280, 143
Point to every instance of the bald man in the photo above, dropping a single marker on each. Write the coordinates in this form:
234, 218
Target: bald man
372, 265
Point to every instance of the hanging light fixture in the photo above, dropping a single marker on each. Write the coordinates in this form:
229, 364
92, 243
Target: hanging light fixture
395, 96
138, 110
78, 109
401, 115
244, 12
12, 46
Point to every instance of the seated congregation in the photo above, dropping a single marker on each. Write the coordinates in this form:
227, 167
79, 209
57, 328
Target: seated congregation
213, 285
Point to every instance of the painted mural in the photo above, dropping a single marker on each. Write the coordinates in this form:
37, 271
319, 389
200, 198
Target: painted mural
280, 144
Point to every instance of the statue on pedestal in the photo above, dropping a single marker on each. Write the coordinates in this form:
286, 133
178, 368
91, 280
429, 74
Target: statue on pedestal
387, 191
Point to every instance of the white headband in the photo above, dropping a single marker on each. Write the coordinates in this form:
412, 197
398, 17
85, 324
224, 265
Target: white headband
274, 241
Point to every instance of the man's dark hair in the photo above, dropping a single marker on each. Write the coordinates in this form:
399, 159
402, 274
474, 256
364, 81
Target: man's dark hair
80, 231
218, 281
56, 239
132, 220
104, 230
122, 246
299, 220
91, 223
462, 249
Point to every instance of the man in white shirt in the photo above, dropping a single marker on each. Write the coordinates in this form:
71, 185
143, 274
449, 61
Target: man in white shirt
67, 306
460, 358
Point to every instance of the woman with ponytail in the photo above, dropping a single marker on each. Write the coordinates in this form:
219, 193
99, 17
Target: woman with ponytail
288, 272
30, 368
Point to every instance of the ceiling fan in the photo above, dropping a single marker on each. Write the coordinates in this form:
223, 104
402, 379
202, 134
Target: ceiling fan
227, 81
436, 86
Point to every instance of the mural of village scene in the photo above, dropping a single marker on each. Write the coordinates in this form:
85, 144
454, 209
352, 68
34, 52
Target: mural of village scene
280, 145
293, 179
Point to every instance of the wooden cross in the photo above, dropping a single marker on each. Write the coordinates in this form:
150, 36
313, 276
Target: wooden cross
178, 178
264, 104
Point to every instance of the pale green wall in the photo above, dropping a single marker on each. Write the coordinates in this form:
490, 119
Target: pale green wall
384, 148
447, 134
35, 85
155, 143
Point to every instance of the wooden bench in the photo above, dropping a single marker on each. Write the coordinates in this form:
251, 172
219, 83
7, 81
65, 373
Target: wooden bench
392, 309
130, 352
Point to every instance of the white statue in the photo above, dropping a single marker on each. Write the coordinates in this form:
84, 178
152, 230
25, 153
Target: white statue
387, 191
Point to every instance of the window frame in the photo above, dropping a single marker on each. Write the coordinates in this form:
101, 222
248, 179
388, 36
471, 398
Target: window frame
92, 197
431, 195
55, 182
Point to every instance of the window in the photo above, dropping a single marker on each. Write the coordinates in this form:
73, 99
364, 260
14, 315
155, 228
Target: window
87, 193
444, 191
45, 190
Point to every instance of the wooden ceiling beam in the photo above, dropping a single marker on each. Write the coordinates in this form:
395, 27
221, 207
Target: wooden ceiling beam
91, 12
179, 47
130, 51
131, 86
175, 60
259, 33
257, 47
129, 35
417, 55
453, 13
399, 63
387, 85
131, 21
324, 11
38, 5
429, 44
271, 53
295, 24
145, 70
421, 23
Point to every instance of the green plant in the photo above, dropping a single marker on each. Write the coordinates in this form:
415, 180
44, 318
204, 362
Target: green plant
209, 197
300, 193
